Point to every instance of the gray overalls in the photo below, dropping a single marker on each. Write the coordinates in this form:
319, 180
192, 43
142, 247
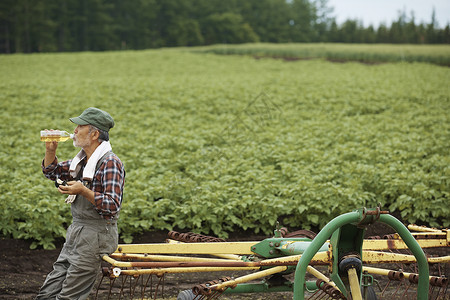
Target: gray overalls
88, 238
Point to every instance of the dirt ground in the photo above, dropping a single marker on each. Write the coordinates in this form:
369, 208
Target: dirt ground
22, 272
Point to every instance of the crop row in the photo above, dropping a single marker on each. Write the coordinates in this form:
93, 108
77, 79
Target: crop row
366, 53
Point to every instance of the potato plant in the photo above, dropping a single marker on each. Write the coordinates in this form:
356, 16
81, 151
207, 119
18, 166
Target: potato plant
215, 144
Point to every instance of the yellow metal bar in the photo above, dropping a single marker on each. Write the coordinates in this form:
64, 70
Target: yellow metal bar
246, 278
442, 259
230, 249
316, 273
424, 235
375, 257
422, 228
115, 263
378, 271
354, 284
400, 244
185, 270
189, 248
145, 257
321, 258
385, 272
227, 256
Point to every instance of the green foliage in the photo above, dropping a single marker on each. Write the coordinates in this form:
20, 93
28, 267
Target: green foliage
214, 144
366, 53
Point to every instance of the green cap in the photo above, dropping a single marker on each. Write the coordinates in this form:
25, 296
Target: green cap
96, 117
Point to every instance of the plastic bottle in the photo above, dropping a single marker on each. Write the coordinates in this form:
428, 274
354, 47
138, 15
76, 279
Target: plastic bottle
55, 136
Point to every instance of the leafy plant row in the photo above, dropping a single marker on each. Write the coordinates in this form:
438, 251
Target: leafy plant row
215, 144
366, 53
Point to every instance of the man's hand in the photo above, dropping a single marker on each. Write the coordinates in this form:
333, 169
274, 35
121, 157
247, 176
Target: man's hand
77, 188
50, 152
72, 188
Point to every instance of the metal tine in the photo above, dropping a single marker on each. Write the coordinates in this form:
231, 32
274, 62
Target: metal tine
144, 287
385, 288
406, 291
217, 294
111, 284
431, 291
445, 291
211, 295
398, 287
161, 279
315, 294
122, 286
98, 287
133, 288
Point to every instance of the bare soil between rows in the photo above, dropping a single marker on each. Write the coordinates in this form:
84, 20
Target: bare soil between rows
22, 271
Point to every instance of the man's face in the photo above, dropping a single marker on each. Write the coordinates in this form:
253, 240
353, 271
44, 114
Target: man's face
82, 137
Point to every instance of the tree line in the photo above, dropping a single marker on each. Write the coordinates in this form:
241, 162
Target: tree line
98, 25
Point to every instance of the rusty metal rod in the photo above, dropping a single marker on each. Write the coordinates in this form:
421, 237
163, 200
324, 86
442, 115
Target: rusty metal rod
160, 272
434, 280
173, 258
319, 259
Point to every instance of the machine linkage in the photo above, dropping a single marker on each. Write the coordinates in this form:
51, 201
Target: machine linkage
350, 265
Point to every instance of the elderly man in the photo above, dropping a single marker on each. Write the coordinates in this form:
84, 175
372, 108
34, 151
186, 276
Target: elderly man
93, 181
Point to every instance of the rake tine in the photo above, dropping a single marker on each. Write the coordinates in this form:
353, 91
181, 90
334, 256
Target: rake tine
444, 290
398, 287
157, 286
315, 294
212, 296
407, 288
322, 295
132, 291
145, 285
122, 286
111, 283
162, 283
98, 287
385, 288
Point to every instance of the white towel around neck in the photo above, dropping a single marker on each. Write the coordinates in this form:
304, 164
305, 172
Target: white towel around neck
89, 169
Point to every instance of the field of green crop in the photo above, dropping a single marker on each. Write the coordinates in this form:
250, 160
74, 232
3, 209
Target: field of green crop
215, 144
367, 53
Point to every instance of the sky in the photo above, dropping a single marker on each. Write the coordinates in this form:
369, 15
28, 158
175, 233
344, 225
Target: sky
375, 12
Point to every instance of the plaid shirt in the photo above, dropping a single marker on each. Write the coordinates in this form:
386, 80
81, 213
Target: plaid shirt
107, 183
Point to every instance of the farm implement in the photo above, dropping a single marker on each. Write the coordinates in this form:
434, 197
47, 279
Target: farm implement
337, 263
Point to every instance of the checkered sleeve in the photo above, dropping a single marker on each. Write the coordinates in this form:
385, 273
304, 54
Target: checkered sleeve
108, 187
57, 170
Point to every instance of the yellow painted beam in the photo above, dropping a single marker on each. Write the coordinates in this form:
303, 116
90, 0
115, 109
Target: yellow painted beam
354, 284
189, 248
400, 244
150, 257
246, 278
162, 271
221, 255
422, 228
385, 272
376, 257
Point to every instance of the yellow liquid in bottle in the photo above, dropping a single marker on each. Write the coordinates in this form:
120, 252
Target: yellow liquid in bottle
54, 138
